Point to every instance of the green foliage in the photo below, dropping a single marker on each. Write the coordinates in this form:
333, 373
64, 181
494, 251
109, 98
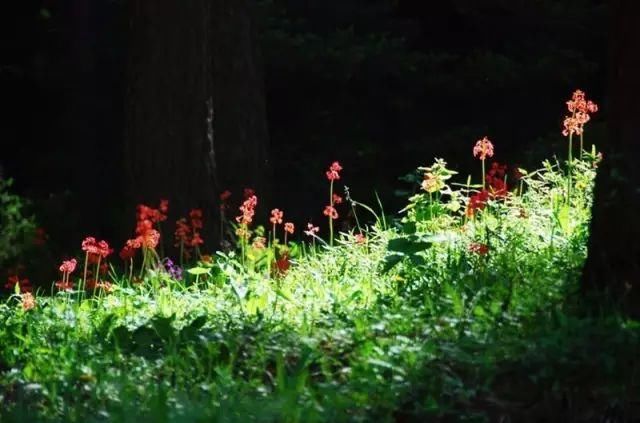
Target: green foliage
16, 228
411, 323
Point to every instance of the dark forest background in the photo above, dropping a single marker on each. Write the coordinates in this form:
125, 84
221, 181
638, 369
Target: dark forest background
383, 86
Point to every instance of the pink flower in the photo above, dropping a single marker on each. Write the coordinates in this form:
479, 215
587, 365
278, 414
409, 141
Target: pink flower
276, 216
99, 248
337, 199
289, 227
360, 239
333, 172
248, 210
483, 148
68, 266
331, 212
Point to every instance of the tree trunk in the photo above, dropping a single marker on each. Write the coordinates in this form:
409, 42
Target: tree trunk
195, 114
614, 248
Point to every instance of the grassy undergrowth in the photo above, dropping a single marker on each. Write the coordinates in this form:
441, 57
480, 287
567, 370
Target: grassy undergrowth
464, 309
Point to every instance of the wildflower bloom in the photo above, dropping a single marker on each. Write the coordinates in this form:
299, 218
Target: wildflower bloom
483, 149
68, 266
276, 216
495, 180
331, 212
248, 210
479, 248
196, 219
282, 264
164, 206
150, 239
477, 202
96, 248
311, 230
580, 108
174, 270
337, 199
360, 239
28, 301
182, 232
289, 227
333, 172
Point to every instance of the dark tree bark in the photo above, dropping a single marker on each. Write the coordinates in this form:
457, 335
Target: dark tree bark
196, 121
614, 248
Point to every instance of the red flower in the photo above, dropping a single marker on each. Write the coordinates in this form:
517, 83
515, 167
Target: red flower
129, 250
68, 266
479, 248
196, 240
164, 207
580, 108
248, 210
289, 227
483, 148
149, 239
333, 172
337, 199
276, 216
331, 212
182, 231
477, 202
97, 248
283, 264
28, 301
495, 180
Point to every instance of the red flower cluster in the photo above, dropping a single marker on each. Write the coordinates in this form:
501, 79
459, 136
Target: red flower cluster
146, 235
282, 265
95, 248
477, 202
67, 267
337, 199
483, 149
495, 180
580, 108
187, 233
248, 209
276, 216
479, 248
331, 212
289, 227
333, 172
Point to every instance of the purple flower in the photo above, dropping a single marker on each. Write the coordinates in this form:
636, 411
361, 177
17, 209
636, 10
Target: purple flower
174, 270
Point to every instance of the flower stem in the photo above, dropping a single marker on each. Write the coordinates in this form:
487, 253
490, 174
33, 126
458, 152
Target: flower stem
331, 217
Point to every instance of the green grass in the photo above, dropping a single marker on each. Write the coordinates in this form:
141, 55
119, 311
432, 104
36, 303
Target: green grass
412, 325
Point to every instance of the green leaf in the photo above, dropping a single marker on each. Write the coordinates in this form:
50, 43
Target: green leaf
199, 271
